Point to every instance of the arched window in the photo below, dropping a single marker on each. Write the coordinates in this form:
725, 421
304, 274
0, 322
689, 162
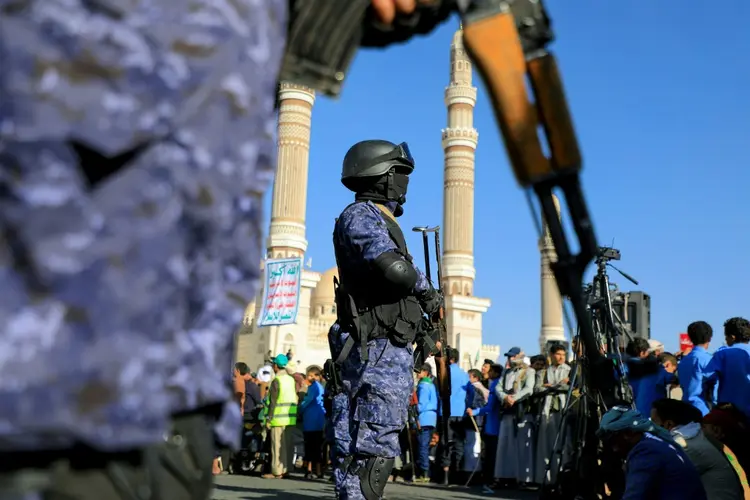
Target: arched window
288, 344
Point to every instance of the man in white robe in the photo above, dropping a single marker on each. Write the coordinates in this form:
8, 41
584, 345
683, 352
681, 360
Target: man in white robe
515, 448
554, 382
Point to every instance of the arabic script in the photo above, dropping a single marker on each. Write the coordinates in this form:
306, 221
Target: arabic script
281, 292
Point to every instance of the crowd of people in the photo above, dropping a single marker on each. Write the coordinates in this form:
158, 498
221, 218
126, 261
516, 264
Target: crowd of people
508, 426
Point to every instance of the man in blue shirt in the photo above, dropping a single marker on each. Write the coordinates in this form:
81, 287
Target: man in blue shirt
491, 414
313, 415
427, 406
730, 367
657, 468
453, 446
643, 372
692, 369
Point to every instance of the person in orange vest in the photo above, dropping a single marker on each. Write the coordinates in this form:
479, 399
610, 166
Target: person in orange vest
282, 414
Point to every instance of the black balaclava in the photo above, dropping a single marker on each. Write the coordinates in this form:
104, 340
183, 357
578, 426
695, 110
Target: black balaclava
390, 190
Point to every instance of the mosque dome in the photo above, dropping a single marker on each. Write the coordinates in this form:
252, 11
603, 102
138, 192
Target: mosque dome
322, 299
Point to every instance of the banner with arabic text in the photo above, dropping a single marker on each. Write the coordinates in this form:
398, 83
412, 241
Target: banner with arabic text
281, 291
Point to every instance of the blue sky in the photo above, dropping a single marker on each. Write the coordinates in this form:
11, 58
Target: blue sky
659, 95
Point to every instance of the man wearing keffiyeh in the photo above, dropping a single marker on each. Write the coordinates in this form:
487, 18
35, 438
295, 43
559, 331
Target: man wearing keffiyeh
656, 467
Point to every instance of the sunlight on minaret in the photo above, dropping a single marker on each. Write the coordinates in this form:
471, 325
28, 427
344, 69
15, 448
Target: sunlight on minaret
551, 300
459, 138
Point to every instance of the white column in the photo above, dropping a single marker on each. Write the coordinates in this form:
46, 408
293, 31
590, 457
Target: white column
286, 237
552, 303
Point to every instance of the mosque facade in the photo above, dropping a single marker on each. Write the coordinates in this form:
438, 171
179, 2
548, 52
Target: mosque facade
307, 338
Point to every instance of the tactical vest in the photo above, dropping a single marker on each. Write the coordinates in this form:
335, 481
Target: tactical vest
367, 305
285, 410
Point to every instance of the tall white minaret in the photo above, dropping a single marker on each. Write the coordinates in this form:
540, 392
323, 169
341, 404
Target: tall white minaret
463, 310
286, 237
459, 143
552, 304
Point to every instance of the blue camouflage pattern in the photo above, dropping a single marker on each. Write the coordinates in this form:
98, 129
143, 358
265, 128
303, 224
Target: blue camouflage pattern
364, 234
119, 302
369, 418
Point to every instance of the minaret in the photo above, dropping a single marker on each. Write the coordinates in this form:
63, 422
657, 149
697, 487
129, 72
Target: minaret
286, 237
552, 304
463, 310
459, 144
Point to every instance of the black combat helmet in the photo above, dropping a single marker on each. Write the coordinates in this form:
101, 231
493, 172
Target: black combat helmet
373, 159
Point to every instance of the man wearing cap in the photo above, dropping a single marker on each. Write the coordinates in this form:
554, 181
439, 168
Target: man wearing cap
282, 413
380, 302
657, 467
515, 450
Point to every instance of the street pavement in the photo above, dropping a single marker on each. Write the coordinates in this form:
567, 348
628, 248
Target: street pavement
255, 488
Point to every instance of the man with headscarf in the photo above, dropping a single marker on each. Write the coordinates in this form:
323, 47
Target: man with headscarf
657, 467
515, 452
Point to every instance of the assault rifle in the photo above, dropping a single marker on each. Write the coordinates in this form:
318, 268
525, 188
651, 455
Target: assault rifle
435, 339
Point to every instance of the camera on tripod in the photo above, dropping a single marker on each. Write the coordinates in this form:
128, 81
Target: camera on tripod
608, 253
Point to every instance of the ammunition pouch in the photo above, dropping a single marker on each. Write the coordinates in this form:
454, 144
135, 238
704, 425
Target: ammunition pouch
398, 321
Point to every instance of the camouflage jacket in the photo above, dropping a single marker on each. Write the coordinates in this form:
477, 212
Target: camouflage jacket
361, 236
119, 300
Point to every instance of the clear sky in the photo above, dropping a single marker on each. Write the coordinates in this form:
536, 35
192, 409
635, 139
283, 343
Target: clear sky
660, 95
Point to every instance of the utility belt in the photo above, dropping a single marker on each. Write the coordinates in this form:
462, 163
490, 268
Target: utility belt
398, 321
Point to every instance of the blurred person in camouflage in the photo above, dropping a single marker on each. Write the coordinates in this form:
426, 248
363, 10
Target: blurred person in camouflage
379, 302
136, 142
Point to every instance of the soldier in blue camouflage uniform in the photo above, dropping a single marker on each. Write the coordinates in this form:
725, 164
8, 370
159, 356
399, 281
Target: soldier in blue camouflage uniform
136, 142
381, 300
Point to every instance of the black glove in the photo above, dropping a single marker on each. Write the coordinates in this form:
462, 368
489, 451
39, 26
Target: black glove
423, 20
431, 301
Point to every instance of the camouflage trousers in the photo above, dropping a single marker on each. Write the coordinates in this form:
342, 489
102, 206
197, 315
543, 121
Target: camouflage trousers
372, 411
177, 469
